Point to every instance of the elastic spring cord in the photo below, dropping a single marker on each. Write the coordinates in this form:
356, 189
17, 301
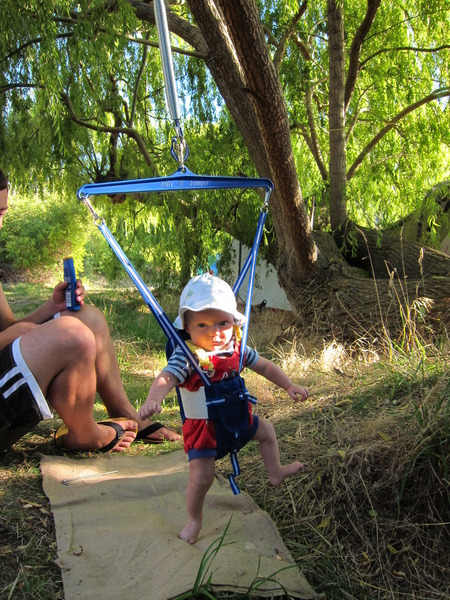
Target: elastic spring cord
85, 200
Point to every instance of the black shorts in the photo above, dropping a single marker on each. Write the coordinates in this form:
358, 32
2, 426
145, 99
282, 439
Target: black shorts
22, 403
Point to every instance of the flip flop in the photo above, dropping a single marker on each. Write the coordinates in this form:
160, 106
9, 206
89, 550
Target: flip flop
141, 436
120, 432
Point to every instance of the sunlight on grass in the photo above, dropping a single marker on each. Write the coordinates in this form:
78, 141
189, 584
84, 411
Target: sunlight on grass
368, 515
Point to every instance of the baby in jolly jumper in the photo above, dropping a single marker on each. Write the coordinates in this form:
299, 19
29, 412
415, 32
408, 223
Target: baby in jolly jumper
209, 315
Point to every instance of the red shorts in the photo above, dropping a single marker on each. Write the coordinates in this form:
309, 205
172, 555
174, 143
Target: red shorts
200, 435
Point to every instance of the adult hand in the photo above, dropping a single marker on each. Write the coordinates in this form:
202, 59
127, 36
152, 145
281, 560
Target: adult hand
59, 294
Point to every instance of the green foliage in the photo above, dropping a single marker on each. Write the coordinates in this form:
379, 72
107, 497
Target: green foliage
398, 68
170, 237
82, 100
39, 233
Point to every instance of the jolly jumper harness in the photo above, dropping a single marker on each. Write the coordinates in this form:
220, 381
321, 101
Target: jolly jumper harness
219, 398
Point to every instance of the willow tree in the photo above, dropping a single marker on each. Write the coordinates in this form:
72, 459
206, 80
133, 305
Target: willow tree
247, 71
343, 106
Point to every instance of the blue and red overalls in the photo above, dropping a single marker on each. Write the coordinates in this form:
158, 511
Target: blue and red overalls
217, 419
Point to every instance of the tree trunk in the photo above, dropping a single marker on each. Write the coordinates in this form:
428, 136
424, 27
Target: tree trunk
336, 45
252, 92
381, 254
346, 303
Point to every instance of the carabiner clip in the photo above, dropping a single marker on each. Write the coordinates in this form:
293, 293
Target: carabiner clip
179, 150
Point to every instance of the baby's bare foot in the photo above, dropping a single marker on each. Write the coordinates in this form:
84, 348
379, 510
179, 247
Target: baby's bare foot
190, 531
286, 471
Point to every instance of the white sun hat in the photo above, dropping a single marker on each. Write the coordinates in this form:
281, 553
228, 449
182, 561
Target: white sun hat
206, 291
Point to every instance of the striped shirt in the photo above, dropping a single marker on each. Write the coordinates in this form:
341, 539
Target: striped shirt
179, 366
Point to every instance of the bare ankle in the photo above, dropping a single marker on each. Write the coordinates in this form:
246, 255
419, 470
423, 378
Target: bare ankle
190, 531
284, 472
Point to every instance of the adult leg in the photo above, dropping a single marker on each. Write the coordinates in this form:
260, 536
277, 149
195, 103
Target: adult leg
61, 354
109, 382
201, 477
268, 447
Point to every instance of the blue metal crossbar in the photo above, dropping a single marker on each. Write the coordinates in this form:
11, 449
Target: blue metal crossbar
182, 179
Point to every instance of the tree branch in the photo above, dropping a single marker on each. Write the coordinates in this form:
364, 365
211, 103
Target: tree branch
174, 49
402, 48
288, 34
138, 80
355, 49
31, 42
15, 86
315, 149
143, 41
129, 132
177, 25
406, 111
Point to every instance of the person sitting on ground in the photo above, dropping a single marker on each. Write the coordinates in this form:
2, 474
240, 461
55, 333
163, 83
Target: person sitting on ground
209, 316
49, 363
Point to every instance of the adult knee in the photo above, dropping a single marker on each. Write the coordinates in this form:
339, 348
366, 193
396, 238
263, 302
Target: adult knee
94, 319
78, 339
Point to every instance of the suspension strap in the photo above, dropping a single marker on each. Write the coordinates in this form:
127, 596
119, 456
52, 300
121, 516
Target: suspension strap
250, 265
167, 327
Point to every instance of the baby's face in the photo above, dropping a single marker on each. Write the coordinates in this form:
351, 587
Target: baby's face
210, 329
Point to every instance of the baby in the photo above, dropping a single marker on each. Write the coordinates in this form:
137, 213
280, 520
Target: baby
209, 316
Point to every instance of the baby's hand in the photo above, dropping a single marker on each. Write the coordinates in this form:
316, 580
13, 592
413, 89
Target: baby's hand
151, 407
297, 392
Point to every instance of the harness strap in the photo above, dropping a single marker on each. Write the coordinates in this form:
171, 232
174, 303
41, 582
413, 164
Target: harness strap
157, 311
185, 177
236, 471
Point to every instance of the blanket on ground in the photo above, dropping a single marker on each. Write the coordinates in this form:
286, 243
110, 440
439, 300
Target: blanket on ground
117, 520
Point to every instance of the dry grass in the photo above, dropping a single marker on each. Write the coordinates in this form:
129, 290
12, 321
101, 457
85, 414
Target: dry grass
367, 518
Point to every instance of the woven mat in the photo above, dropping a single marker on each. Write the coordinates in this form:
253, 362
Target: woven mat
117, 521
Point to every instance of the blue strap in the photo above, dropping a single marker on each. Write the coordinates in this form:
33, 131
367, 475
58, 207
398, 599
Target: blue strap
169, 330
236, 471
249, 264
179, 150
182, 179
151, 301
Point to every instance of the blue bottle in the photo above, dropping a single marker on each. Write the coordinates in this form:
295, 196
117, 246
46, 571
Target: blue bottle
70, 277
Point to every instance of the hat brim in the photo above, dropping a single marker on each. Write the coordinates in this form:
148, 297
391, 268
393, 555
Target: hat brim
238, 317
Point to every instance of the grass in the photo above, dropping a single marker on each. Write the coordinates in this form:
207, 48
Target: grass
368, 518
